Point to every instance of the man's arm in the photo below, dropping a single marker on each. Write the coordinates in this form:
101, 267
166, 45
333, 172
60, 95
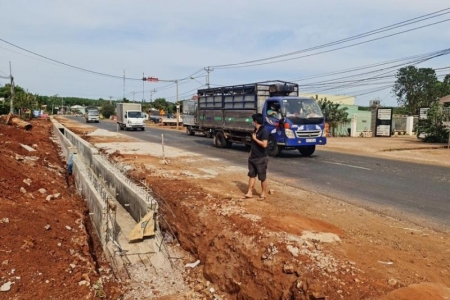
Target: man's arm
264, 139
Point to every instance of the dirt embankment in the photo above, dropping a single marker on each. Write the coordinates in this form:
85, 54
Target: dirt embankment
294, 245
46, 246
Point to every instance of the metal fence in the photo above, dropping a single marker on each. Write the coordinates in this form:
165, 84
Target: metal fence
363, 125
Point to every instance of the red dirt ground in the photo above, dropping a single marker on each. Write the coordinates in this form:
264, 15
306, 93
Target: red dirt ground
243, 246
46, 247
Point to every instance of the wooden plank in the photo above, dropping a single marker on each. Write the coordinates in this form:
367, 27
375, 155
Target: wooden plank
145, 228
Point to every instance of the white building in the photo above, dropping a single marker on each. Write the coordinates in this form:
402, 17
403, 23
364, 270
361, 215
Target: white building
340, 99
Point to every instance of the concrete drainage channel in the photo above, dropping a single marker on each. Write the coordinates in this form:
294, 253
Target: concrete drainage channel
116, 205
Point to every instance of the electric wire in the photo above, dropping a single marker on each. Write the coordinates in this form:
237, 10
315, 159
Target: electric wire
386, 28
410, 58
69, 65
334, 49
372, 32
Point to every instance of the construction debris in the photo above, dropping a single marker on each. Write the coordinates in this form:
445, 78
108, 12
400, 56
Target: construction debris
11, 119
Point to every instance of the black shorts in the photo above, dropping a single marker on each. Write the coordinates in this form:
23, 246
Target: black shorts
258, 166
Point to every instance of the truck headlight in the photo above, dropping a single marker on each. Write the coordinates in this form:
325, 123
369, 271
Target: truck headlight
289, 133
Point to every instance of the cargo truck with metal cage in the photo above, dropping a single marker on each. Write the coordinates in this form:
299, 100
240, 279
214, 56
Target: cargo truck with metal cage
224, 113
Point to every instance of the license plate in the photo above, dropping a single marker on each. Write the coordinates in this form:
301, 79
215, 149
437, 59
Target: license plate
310, 140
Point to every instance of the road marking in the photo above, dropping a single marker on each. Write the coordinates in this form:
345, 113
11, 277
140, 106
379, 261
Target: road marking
351, 166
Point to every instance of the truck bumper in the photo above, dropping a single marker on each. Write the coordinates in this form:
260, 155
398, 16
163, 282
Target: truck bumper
299, 142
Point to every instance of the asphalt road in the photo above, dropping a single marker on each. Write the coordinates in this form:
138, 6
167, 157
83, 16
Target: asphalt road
421, 191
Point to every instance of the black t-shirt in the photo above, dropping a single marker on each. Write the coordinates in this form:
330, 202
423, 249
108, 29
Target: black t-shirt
258, 151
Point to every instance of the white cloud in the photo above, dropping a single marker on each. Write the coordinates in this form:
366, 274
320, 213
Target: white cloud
175, 38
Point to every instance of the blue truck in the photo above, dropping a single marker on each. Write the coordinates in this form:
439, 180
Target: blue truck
224, 113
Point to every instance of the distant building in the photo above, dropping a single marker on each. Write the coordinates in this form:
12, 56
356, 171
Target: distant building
445, 99
339, 99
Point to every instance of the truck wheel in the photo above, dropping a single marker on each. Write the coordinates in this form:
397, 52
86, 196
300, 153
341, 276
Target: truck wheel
307, 150
189, 130
272, 147
143, 128
219, 140
208, 134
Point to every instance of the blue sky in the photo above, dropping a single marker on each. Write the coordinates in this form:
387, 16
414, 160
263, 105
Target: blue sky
174, 39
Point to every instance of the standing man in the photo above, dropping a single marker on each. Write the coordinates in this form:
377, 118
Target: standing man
258, 159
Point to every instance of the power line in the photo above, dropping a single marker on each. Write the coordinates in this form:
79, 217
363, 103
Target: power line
410, 58
68, 65
334, 83
334, 49
386, 28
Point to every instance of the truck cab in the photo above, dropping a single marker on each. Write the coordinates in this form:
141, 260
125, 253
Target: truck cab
298, 124
133, 119
92, 114
130, 116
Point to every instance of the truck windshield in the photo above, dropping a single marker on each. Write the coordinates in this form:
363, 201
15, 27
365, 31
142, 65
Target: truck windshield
134, 114
93, 112
303, 110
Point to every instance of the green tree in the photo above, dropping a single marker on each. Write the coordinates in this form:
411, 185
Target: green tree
107, 110
415, 88
444, 86
161, 104
334, 115
433, 128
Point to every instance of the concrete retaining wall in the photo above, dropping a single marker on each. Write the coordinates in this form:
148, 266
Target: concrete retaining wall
96, 204
97, 179
131, 196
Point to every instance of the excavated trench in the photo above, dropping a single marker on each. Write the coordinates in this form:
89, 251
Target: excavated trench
244, 255
246, 250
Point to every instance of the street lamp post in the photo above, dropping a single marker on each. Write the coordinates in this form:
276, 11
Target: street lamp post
178, 106
178, 113
193, 78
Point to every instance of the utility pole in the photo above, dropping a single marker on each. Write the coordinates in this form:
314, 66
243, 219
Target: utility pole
123, 84
133, 95
151, 95
11, 109
143, 94
177, 105
208, 70
110, 100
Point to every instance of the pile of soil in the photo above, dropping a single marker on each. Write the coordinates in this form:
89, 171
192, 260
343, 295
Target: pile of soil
47, 249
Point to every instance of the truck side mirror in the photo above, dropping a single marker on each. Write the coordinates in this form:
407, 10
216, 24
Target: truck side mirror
283, 111
125, 116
